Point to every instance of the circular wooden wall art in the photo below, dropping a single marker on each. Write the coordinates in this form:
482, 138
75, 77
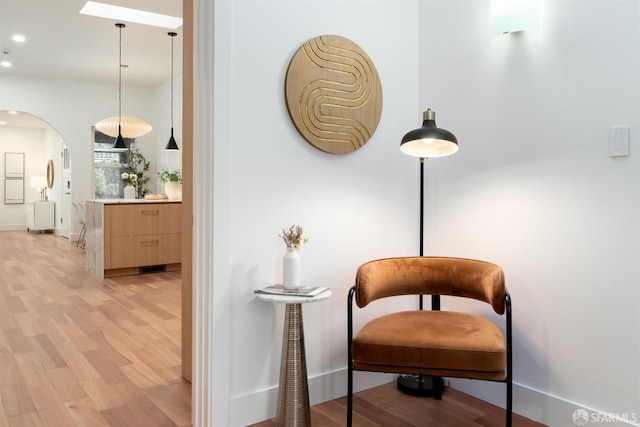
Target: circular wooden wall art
333, 94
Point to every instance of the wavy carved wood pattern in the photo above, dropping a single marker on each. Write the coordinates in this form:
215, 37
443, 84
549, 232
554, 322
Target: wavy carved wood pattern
333, 94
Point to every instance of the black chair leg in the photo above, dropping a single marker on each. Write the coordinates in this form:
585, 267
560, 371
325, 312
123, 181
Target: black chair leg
350, 356
438, 388
509, 409
81, 238
349, 397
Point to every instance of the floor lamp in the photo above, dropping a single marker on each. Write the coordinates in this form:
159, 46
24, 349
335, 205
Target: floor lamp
426, 142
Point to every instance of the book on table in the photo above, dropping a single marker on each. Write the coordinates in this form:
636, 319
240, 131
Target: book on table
304, 291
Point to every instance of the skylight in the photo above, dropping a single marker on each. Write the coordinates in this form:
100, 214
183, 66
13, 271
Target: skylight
126, 14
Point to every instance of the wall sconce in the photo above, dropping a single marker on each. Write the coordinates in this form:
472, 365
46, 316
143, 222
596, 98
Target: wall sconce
511, 16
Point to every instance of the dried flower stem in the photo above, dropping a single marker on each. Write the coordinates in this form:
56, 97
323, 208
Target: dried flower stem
292, 236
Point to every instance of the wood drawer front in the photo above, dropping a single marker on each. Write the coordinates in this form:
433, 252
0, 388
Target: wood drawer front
157, 250
156, 219
118, 218
121, 253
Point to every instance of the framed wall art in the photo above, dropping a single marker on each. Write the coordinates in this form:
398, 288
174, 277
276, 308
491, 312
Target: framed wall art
14, 165
13, 191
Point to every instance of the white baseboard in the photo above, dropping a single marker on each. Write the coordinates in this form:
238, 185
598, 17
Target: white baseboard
261, 405
543, 407
13, 227
530, 403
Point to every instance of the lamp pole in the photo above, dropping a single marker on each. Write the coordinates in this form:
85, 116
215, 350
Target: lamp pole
427, 141
435, 299
422, 385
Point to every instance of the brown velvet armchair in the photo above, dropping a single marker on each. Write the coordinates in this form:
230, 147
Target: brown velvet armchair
431, 342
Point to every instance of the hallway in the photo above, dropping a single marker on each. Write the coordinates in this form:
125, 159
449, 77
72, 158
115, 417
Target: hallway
77, 350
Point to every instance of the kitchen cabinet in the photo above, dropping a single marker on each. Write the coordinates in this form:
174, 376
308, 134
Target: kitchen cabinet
133, 238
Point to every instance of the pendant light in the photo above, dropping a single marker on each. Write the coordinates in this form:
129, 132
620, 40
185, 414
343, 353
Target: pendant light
119, 144
122, 127
172, 145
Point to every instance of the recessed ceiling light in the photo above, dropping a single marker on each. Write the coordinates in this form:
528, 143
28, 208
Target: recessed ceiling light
3, 123
13, 112
5, 64
126, 14
19, 38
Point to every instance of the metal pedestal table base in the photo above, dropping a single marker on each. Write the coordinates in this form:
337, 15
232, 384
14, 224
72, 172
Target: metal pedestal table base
293, 394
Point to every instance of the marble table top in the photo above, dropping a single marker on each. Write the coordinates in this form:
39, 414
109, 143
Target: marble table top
292, 299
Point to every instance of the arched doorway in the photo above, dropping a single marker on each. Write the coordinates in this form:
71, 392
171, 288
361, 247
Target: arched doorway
45, 152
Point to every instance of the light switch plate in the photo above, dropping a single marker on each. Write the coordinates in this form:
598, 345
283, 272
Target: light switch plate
619, 141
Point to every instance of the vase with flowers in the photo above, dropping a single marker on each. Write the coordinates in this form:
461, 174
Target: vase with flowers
129, 180
172, 183
139, 166
293, 239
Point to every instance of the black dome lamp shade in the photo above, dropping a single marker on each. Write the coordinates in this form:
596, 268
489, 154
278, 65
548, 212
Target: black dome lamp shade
429, 140
120, 144
172, 145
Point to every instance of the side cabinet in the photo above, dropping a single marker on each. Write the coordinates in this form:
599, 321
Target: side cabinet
143, 235
40, 215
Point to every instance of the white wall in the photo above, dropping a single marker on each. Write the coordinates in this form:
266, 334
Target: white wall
534, 189
353, 207
31, 142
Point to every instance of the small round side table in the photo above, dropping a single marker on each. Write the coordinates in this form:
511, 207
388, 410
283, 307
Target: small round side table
293, 393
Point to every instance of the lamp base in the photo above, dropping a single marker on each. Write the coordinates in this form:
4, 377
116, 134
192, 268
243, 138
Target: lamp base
421, 385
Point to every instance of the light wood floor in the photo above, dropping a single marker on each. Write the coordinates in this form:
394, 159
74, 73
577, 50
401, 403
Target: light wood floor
386, 406
79, 351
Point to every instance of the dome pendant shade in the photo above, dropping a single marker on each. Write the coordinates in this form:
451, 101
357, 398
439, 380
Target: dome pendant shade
172, 144
429, 141
131, 127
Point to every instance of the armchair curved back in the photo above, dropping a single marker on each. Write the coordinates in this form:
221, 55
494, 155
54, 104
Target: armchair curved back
425, 275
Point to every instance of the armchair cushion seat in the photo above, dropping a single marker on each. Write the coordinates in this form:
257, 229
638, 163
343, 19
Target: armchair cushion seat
441, 343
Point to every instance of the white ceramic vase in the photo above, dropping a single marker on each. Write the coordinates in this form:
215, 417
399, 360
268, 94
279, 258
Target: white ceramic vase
291, 269
173, 190
129, 192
